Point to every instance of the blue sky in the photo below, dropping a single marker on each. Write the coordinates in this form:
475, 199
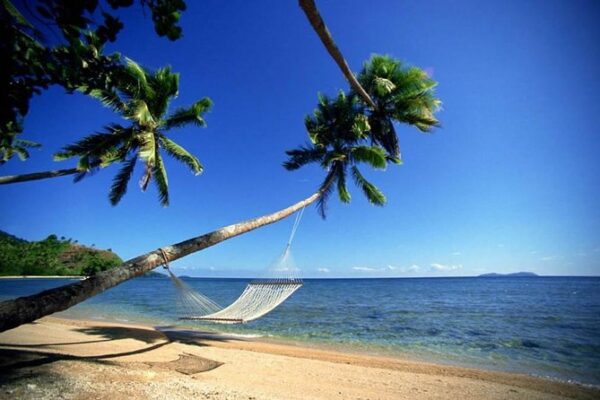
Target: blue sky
509, 183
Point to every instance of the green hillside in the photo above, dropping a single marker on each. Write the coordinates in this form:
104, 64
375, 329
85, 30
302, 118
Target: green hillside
52, 256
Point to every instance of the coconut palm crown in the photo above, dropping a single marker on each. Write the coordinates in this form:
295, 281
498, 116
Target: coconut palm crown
339, 132
402, 94
142, 98
345, 131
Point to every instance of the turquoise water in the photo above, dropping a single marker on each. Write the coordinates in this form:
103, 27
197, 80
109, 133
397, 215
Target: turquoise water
547, 326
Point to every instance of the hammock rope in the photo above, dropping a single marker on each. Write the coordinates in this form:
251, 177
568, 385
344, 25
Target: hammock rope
260, 296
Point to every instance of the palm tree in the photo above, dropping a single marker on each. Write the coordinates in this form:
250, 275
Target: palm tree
341, 138
401, 94
143, 99
393, 93
338, 132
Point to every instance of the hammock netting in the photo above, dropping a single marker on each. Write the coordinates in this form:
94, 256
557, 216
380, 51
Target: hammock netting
260, 296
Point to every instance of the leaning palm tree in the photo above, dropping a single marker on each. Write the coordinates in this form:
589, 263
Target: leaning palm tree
142, 98
340, 139
339, 133
392, 93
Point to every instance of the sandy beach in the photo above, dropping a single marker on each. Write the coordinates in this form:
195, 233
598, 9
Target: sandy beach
57, 358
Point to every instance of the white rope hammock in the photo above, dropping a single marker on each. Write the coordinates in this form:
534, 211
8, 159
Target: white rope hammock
260, 296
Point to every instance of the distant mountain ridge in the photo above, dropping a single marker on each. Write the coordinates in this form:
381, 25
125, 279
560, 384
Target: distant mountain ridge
513, 274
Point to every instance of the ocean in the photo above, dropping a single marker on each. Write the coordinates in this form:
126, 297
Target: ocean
543, 326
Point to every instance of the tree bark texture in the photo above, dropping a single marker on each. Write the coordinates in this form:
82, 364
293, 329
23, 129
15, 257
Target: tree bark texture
34, 176
314, 17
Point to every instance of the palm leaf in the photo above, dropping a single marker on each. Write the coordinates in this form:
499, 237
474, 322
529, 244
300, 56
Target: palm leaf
120, 181
166, 86
21, 152
95, 144
161, 181
181, 154
27, 143
373, 155
135, 83
373, 194
148, 151
325, 189
302, 156
384, 134
109, 98
343, 193
191, 115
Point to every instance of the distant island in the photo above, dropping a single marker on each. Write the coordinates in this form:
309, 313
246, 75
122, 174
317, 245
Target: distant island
52, 256
512, 275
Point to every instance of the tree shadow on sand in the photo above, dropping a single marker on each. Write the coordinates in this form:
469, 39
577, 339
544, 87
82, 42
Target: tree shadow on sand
20, 361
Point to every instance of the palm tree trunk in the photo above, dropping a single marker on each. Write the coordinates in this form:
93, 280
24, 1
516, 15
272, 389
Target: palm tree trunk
26, 309
314, 17
4, 180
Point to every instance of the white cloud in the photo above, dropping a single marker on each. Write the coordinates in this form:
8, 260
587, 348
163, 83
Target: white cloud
442, 267
366, 269
547, 258
457, 253
411, 268
323, 270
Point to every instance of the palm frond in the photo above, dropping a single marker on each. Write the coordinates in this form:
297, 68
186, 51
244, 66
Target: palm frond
148, 151
373, 155
373, 194
109, 98
343, 193
95, 144
120, 181
190, 115
161, 181
181, 154
21, 152
27, 143
325, 189
304, 155
383, 133
134, 82
165, 86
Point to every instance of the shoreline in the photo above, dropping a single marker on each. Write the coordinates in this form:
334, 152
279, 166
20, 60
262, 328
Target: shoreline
221, 362
42, 277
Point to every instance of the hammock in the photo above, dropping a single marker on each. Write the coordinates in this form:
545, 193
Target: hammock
260, 296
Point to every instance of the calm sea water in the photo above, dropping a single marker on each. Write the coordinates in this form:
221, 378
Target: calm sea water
547, 326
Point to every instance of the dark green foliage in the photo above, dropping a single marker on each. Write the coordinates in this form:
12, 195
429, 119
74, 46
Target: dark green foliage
64, 48
345, 132
142, 97
339, 133
402, 94
52, 256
